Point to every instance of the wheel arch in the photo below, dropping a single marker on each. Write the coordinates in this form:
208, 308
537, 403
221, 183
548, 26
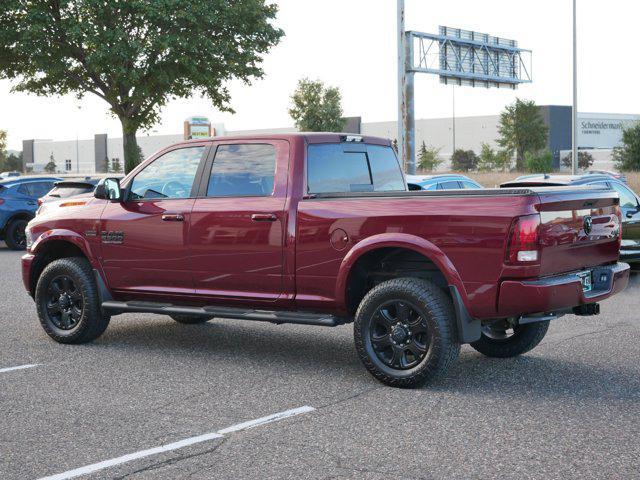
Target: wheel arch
386, 243
54, 245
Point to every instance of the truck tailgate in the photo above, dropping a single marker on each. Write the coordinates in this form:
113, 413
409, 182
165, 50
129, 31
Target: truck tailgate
579, 228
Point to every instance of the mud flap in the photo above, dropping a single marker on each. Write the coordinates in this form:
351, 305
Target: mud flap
469, 329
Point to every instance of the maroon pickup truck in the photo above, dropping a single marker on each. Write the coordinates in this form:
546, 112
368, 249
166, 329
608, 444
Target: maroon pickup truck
320, 229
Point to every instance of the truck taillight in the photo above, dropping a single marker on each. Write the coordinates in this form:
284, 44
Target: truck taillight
523, 245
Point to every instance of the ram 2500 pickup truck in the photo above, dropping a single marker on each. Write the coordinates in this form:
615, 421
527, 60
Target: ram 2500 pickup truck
320, 229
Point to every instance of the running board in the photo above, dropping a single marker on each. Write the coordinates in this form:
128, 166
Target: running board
278, 317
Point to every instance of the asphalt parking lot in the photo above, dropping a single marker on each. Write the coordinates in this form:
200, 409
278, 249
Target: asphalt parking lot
568, 409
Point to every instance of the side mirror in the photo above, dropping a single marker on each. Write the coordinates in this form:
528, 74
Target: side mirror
108, 189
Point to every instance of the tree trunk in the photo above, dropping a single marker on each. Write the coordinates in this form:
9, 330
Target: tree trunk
132, 153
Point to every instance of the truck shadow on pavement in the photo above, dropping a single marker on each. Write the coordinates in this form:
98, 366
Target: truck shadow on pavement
315, 353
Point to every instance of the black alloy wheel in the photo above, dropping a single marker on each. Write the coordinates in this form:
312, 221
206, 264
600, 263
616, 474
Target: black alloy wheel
64, 303
399, 335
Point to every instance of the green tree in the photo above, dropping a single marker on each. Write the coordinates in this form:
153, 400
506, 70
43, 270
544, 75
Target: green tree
627, 156
464, 160
135, 54
539, 162
489, 160
522, 129
316, 108
13, 162
585, 160
115, 165
51, 166
428, 158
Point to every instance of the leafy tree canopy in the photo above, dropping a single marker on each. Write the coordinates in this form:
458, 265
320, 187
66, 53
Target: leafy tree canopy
539, 162
585, 160
316, 108
428, 158
522, 129
135, 54
464, 160
490, 160
627, 156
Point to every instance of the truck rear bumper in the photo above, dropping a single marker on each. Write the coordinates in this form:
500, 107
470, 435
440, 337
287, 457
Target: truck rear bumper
560, 292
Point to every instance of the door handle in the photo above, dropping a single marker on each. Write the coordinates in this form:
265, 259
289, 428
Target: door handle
264, 217
173, 217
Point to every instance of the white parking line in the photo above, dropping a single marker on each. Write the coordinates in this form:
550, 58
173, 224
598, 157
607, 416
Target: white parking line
20, 367
264, 420
179, 444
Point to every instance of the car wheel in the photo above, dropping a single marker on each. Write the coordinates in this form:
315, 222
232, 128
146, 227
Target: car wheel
68, 302
15, 238
190, 319
403, 332
508, 339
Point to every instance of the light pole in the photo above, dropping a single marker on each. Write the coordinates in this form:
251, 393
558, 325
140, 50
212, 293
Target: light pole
406, 118
574, 117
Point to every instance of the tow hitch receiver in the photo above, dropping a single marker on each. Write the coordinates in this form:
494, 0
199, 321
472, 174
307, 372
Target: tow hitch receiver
586, 310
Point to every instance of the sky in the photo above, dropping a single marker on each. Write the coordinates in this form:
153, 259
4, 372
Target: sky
351, 44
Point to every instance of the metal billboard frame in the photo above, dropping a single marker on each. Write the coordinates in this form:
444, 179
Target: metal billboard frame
476, 59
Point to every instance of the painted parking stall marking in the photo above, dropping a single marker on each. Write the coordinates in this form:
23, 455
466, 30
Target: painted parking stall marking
94, 467
19, 367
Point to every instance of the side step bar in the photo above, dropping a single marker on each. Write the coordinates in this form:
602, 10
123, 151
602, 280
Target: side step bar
277, 317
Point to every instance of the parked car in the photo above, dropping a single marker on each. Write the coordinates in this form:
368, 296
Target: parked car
617, 175
440, 182
5, 175
18, 204
70, 188
320, 229
629, 203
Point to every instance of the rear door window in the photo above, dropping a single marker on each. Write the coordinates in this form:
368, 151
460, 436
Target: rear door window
450, 185
334, 168
468, 185
243, 170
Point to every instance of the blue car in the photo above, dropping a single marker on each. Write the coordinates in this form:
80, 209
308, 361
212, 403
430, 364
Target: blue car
440, 182
18, 204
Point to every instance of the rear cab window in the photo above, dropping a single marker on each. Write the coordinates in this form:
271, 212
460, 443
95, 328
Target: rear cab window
352, 167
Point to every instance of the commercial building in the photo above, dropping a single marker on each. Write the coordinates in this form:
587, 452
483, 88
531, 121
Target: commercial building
599, 133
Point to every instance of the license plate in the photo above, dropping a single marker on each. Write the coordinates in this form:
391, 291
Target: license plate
586, 280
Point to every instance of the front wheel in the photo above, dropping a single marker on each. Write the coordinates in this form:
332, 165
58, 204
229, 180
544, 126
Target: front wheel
403, 332
506, 338
68, 302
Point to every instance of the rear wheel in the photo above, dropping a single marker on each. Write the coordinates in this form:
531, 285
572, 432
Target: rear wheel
190, 319
403, 332
15, 237
68, 303
508, 339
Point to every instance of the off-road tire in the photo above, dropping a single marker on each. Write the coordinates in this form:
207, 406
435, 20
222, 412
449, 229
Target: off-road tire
525, 338
190, 319
14, 236
92, 322
434, 308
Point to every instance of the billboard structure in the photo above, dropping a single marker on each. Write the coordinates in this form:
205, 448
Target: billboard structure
459, 57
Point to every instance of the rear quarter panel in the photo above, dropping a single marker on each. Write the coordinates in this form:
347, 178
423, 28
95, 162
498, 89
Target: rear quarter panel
469, 231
